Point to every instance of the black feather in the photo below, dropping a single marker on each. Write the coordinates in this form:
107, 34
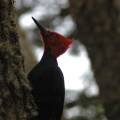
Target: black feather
48, 88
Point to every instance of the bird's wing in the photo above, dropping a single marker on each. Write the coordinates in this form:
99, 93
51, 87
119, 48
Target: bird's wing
48, 89
60, 90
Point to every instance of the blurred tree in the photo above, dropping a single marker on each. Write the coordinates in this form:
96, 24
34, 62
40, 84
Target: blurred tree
16, 102
98, 26
26, 49
25, 46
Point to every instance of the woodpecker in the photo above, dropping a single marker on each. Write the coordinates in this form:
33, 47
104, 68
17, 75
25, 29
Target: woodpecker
46, 77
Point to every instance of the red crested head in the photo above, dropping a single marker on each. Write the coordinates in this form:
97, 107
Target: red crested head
55, 43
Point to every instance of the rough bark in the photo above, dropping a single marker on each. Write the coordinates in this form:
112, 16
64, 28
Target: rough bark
15, 99
98, 28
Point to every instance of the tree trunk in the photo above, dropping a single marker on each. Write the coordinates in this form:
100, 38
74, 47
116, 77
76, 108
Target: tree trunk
15, 99
98, 28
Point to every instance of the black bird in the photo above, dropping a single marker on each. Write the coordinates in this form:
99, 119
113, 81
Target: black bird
46, 77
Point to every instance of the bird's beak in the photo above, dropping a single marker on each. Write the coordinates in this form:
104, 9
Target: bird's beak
41, 28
